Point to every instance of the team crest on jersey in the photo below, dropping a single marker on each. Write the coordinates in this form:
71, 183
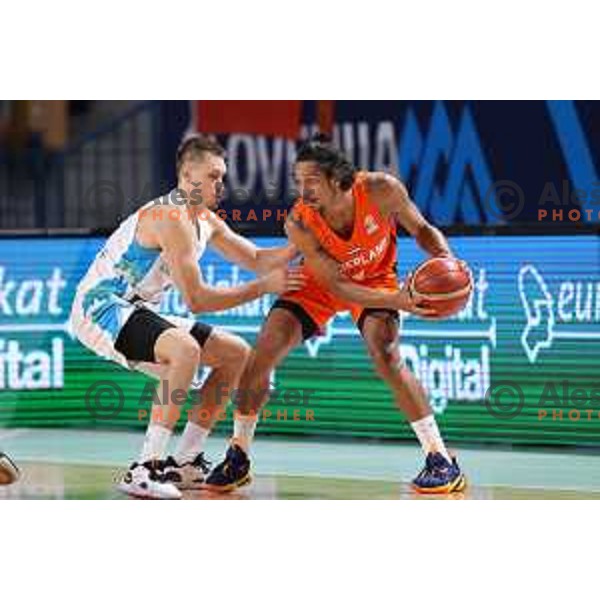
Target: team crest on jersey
370, 225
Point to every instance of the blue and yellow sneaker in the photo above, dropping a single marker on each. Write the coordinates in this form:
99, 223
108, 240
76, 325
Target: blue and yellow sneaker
439, 476
232, 473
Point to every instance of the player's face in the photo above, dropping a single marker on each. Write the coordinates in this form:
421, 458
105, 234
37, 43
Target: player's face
203, 180
313, 186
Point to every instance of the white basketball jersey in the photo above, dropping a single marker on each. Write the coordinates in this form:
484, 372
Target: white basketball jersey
128, 270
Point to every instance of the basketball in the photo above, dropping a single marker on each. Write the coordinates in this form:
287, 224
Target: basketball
445, 282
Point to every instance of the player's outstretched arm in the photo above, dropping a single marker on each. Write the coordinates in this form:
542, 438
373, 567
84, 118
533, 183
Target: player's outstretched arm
179, 253
327, 270
393, 200
241, 251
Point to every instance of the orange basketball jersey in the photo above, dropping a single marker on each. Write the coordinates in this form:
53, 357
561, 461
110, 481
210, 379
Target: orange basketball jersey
368, 257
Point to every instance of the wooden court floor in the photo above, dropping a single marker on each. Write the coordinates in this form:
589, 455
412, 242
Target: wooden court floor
71, 464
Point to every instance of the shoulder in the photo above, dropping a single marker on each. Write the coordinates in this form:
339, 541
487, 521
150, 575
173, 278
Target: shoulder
384, 189
166, 226
300, 214
212, 223
298, 232
162, 213
378, 183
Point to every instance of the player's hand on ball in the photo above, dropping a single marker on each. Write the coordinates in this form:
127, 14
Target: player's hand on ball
284, 280
440, 287
414, 303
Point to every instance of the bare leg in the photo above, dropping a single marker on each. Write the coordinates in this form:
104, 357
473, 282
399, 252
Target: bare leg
380, 332
280, 334
178, 354
227, 354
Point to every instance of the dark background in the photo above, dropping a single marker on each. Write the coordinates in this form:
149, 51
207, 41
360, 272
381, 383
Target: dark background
116, 155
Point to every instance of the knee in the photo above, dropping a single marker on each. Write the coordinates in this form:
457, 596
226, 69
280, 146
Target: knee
386, 359
186, 351
232, 355
238, 354
272, 345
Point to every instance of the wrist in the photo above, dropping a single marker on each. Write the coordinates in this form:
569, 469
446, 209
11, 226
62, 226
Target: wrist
262, 286
447, 253
403, 298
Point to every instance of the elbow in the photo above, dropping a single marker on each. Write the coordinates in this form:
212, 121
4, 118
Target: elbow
195, 304
197, 307
337, 288
432, 240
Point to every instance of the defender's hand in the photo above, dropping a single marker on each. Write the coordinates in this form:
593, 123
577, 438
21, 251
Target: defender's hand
282, 280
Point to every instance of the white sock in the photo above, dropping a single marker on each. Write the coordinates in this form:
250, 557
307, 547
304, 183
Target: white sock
243, 429
427, 431
191, 443
155, 443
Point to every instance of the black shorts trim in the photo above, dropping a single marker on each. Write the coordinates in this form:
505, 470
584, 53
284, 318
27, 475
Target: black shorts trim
138, 337
309, 327
369, 311
201, 332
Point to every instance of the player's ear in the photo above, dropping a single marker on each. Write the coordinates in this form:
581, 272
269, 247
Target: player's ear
339, 188
333, 183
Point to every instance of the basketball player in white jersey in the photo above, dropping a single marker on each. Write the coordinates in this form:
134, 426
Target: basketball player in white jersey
115, 311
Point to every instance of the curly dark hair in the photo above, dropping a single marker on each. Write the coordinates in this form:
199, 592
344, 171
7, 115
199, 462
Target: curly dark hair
331, 160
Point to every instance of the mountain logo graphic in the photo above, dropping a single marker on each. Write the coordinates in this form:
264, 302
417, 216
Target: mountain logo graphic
450, 178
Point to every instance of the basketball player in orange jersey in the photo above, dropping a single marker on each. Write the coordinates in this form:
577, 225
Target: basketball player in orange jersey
344, 225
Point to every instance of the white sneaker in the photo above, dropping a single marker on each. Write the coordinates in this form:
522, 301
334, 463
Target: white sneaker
186, 476
145, 481
9, 473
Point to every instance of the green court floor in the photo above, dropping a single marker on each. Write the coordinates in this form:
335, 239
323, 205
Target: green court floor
76, 464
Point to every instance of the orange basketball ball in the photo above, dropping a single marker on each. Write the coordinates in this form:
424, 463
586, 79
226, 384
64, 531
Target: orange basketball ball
445, 282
